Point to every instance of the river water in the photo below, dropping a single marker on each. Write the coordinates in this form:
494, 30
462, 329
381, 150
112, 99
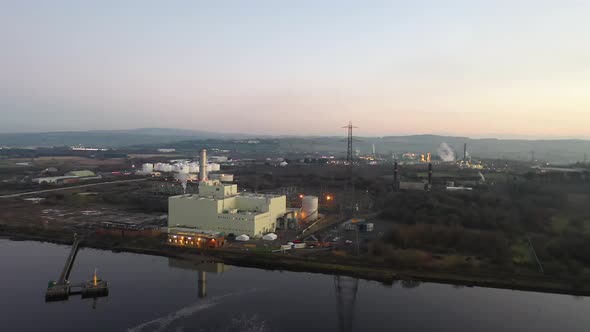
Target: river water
159, 294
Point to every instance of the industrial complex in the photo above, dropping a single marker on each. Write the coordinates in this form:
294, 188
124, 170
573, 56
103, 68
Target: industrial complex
220, 207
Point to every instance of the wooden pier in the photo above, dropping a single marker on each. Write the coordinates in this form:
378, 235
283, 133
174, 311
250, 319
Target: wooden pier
61, 289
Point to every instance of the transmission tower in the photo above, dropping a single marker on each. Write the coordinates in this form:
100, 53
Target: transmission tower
349, 150
346, 290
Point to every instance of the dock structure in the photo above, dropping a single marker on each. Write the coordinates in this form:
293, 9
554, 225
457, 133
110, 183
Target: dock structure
61, 289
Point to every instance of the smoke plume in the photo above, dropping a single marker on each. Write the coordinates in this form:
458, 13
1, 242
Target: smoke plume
183, 178
445, 152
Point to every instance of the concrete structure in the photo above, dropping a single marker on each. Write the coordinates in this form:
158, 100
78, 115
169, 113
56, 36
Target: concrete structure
219, 207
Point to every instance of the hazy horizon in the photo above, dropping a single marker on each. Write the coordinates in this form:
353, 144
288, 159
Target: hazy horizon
484, 69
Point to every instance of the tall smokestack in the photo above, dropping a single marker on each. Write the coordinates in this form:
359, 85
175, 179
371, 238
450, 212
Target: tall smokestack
395, 176
465, 152
429, 176
203, 166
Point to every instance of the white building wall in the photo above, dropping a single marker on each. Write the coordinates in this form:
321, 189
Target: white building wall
208, 213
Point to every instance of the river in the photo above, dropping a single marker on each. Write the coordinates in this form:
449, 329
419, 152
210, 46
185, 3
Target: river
149, 293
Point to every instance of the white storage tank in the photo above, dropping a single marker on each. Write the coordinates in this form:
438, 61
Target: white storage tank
147, 168
214, 167
166, 168
309, 208
193, 168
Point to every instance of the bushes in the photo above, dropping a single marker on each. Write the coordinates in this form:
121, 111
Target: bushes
451, 239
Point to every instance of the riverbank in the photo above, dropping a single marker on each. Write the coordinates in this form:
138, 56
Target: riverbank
337, 266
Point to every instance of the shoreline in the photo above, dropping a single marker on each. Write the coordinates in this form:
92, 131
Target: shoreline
267, 261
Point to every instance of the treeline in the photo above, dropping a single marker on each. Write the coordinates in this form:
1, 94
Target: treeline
451, 240
524, 208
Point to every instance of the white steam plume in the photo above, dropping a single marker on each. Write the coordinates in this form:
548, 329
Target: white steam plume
183, 178
445, 152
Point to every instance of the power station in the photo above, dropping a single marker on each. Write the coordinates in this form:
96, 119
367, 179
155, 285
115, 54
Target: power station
220, 207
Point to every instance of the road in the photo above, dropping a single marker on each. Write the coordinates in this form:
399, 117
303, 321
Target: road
68, 188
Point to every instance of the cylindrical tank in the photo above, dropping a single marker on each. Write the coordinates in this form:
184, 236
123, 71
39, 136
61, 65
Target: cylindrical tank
214, 167
147, 168
203, 166
166, 168
309, 208
193, 168
283, 163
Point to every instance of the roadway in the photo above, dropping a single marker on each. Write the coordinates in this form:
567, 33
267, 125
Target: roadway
68, 188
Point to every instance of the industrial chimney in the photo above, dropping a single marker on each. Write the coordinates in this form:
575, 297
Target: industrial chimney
429, 176
203, 166
465, 152
395, 177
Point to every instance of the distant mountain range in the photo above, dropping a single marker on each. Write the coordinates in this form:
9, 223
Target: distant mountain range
567, 151
570, 150
110, 138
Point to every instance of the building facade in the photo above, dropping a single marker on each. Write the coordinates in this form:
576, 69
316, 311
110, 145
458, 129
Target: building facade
220, 207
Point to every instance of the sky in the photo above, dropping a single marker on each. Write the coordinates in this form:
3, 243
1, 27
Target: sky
518, 68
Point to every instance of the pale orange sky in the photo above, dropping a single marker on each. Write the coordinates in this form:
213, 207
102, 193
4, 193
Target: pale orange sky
468, 68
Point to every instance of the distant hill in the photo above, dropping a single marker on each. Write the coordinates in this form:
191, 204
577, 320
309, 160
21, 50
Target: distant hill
570, 150
546, 150
111, 138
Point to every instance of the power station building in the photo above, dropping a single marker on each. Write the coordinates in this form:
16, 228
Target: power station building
220, 207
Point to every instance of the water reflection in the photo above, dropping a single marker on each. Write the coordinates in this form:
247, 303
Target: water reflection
202, 268
346, 291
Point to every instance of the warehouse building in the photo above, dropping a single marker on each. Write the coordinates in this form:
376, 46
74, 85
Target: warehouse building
220, 207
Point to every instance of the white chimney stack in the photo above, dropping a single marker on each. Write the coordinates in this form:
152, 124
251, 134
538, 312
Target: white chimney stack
203, 166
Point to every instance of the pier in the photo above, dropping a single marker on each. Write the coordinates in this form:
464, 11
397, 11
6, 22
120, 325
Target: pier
61, 289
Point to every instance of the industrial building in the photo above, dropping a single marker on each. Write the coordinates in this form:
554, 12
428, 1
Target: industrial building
181, 236
68, 178
220, 207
